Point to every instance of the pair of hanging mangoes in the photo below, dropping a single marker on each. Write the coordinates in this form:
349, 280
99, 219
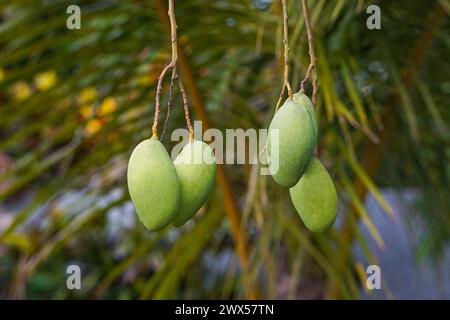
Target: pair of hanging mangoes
165, 192
312, 190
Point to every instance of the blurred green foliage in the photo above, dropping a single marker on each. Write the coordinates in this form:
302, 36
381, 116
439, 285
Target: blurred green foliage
74, 104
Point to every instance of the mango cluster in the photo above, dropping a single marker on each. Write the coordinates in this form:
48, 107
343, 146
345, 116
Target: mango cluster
312, 190
165, 192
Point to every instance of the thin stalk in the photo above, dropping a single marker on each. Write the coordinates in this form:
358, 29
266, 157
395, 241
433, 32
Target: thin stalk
169, 101
286, 84
311, 71
172, 65
186, 109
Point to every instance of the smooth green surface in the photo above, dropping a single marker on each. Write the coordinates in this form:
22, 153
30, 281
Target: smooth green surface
153, 184
295, 143
315, 197
196, 169
303, 99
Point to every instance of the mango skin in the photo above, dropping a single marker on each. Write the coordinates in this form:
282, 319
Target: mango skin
295, 145
153, 184
196, 169
303, 99
315, 198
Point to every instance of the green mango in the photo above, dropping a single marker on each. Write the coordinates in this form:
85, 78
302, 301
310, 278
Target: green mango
153, 184
303, 99
196, 169
315, 197
296, 142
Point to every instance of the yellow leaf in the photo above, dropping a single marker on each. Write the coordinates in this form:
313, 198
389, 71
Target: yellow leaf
86, 110
370, 185
2, 74
87, 95
20, 241
109, 105
93, 126
45, 80
362, 212
183, 40
21, 91
147, 79
163, 54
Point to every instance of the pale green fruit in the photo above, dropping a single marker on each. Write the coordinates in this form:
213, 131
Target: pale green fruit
315, 197
303, 99
153, 184
296, 141
196, 169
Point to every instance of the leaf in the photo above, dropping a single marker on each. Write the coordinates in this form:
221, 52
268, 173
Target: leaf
365, 179
19, 241
358, 205
432, 108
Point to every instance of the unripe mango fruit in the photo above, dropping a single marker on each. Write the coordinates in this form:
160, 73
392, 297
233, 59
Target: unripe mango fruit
304, 100
315, 198
153, 184
196, 169
296, 142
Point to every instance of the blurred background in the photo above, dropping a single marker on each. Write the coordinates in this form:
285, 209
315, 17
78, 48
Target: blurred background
74, 104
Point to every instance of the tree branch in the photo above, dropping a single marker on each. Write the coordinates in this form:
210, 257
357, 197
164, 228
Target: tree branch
186, 109
169, 101
158, 98
286, 84
172, 65
312, 56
